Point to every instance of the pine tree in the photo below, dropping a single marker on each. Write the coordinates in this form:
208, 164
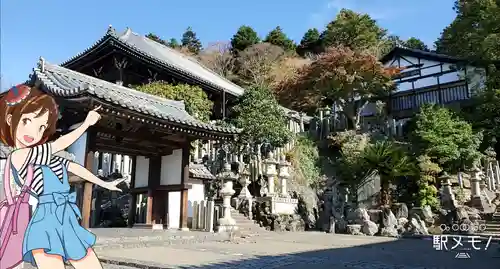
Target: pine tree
173, 43
190, 41
309, 42
244, 38
278, 38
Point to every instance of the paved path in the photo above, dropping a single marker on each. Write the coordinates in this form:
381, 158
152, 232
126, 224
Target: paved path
133, 249
303, 250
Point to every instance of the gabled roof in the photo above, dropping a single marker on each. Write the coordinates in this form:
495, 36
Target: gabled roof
398, 50
67, 83
164, 56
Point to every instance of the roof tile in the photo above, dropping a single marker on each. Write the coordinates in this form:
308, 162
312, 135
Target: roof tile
68, 83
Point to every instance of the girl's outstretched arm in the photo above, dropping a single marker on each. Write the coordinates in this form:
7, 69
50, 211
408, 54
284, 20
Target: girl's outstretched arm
67, 140
82, 172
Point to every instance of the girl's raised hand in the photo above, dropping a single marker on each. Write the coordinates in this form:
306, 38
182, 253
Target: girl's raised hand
112, 186
93, 117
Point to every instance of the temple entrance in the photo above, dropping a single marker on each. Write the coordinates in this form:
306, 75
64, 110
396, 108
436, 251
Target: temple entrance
142, 138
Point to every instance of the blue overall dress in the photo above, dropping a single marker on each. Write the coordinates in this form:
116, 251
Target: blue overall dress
54, 225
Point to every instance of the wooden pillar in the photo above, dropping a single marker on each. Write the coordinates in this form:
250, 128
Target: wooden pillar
154, 201
184, 192
132, 209
149, 209
87, 192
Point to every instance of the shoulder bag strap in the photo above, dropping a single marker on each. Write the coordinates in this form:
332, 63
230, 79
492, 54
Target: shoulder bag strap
6, 182
27, 182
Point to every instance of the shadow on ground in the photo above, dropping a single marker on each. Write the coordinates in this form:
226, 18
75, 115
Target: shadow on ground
401, 254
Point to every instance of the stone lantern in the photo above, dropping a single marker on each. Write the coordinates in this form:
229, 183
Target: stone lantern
448, 199
227, 223
245, 193
475, 181
270, 173
283, 175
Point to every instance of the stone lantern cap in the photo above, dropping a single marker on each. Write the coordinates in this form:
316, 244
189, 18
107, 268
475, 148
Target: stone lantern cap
226, 173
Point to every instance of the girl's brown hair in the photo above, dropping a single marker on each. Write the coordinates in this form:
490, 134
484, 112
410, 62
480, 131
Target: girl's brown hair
35, 101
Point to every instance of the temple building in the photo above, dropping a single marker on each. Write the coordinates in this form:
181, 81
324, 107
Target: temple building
428, 77
154, 132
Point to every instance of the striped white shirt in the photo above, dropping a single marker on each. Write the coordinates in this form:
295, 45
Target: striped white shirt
42, 156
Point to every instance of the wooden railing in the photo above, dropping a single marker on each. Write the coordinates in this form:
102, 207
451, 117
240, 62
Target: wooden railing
414, 99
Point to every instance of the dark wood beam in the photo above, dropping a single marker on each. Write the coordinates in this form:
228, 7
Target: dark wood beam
143, 135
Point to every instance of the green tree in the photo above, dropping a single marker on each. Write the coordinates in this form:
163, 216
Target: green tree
156, 38
244, 38
261, 118
415, 43
389, 161
309, 42
353, 30
195, 99
427, 192
475, 32
173, 43
446, 139
486, 113
278, 38
190, 41
342, 76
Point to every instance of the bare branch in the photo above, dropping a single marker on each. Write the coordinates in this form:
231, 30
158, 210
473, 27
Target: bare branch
218, 58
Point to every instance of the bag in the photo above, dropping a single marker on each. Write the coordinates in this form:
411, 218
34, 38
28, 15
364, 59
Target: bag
14, 218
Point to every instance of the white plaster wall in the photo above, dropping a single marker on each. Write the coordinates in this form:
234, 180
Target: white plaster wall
171, 168
174, 209
195, 194
141, 172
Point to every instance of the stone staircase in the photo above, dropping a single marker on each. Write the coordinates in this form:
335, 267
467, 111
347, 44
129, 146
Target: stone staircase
493, 226
246, 227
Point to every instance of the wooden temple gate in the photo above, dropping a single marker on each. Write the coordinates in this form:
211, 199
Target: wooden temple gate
156, 133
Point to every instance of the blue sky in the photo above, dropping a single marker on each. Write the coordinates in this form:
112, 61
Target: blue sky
59, 29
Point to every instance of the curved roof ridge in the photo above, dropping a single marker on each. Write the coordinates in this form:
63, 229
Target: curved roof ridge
126, 40
172, 103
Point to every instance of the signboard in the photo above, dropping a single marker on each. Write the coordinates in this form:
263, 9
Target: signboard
407, 74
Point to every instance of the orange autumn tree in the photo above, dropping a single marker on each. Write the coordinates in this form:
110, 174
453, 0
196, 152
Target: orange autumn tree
346, 77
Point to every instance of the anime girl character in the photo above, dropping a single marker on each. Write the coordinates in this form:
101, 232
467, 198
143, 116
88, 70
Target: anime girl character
53, 236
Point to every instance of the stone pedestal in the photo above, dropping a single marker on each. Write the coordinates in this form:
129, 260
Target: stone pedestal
270, 173
283, 176
227, 223
280, 205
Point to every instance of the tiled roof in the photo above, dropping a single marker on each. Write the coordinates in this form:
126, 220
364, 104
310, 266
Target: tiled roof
177, 60
170, 58
199, 171
67, 83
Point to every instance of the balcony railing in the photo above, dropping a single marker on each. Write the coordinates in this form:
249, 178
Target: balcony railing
443, 95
